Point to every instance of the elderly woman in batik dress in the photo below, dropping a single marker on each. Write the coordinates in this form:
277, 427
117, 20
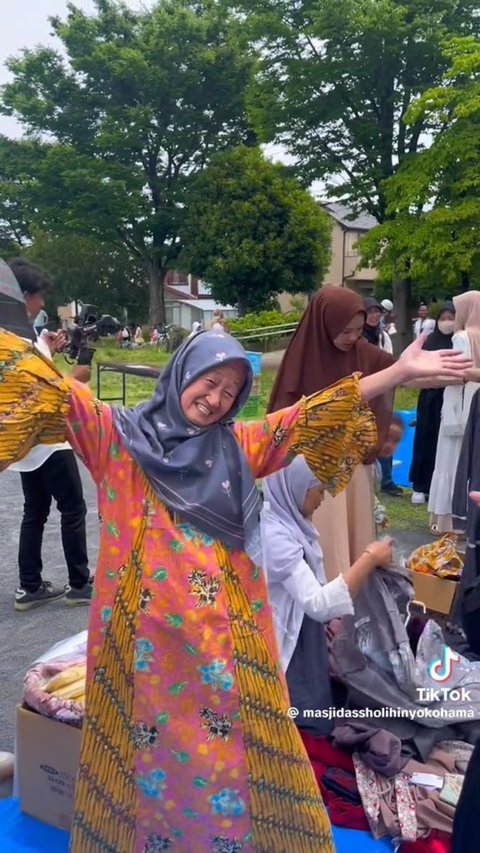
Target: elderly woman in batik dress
186, 743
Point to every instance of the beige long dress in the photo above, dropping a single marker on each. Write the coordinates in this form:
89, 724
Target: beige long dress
345, 523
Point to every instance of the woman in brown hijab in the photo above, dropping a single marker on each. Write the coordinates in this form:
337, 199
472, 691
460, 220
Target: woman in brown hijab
327, 346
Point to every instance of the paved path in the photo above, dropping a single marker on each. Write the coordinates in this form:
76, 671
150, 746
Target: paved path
272, 360
24, 636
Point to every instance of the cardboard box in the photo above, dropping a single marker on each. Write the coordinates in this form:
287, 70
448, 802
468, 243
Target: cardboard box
47, 759
436, 593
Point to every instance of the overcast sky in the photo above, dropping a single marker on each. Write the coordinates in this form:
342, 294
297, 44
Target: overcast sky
24, 23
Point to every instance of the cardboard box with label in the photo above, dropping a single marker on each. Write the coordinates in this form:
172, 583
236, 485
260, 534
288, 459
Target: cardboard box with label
435, 593
47, 758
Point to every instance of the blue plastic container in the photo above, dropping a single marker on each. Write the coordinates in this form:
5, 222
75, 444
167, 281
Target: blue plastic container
403, 455
255, 359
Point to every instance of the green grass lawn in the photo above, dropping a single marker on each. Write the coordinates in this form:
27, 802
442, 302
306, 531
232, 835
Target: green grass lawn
403, 516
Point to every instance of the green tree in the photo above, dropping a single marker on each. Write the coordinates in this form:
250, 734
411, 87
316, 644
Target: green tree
337, 80
135, 106
434, 199
94, 272
19, 160
252, 232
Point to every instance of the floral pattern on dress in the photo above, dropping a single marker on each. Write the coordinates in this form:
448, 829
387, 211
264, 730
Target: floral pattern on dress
204, 588
157, 843
152, 784
143, 654
222, 844
227, 802
214, 675
217, 725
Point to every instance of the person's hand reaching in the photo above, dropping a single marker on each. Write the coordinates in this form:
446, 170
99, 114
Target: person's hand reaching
381, 552
417, 363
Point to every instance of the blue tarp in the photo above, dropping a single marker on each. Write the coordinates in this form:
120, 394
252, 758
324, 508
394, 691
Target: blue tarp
22, 834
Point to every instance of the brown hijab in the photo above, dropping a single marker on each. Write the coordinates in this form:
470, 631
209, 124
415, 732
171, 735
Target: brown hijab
312, 362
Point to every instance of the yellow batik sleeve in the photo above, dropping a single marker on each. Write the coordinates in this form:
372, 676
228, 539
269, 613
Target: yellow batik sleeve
34, 400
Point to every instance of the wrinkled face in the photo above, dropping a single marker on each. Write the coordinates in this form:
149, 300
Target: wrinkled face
423, 312
313, 499
392, 441
210, 397
373, 316
34, 302
347, 339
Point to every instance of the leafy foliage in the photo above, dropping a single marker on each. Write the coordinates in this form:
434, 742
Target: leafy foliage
252, 232
132, 108
338, 78
262, 320
434, 199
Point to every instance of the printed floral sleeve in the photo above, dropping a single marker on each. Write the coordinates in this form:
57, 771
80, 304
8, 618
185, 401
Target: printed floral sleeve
40, 406
333, 429
90, 428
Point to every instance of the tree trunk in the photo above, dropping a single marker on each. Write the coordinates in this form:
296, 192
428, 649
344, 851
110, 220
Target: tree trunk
465, 282
402, 301
156, 307
242, 306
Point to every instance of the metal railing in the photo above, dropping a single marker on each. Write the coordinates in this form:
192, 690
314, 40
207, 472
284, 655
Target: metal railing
267, 333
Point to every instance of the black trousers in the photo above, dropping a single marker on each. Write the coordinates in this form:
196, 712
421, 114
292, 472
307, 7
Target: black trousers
57, 478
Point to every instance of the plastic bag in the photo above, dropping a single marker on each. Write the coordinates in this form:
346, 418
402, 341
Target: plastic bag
441, 558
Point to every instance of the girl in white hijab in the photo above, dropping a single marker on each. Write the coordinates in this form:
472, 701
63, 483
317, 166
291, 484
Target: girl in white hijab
301, 599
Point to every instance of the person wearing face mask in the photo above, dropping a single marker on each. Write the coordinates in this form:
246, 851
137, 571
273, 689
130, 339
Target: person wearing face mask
455, 411
429, 410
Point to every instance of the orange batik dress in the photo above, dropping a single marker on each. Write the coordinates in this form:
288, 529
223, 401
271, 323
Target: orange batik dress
186, 745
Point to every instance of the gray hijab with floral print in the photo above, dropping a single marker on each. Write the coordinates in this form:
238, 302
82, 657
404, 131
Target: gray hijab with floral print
201, 474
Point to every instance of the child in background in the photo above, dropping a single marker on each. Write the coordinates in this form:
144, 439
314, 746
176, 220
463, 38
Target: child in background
388, 448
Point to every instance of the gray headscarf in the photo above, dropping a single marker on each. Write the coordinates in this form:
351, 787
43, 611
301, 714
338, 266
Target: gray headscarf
200, 473
284, 526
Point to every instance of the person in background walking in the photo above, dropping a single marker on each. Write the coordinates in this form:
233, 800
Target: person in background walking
429, 410
424, 323
49, 471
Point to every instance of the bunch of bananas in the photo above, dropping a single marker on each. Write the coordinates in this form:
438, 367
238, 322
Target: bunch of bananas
69, 684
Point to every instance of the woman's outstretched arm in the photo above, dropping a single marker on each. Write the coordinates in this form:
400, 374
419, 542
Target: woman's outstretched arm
416, 363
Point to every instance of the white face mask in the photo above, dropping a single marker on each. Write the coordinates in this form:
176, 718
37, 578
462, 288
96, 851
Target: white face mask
447, 327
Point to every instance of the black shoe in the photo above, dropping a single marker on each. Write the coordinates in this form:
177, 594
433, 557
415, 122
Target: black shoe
25, 600
76, 596
393, 490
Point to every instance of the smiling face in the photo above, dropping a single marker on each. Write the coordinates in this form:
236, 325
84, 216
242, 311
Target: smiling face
347, 339
209, 398
374, 315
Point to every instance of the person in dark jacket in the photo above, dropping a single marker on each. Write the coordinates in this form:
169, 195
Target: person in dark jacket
429, 410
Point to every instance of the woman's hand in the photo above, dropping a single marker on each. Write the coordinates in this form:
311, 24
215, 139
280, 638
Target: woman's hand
54, 340
472, 374
381, 552
416, 363
475, 497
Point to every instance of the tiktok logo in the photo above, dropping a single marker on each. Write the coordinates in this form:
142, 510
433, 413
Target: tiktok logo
440, 669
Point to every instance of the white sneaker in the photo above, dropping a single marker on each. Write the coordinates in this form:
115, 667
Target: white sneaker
418, 498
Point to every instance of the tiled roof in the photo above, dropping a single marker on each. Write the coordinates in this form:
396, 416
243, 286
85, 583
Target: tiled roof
344, 216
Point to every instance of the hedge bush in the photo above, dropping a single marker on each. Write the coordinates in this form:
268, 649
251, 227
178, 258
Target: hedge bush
261, 320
